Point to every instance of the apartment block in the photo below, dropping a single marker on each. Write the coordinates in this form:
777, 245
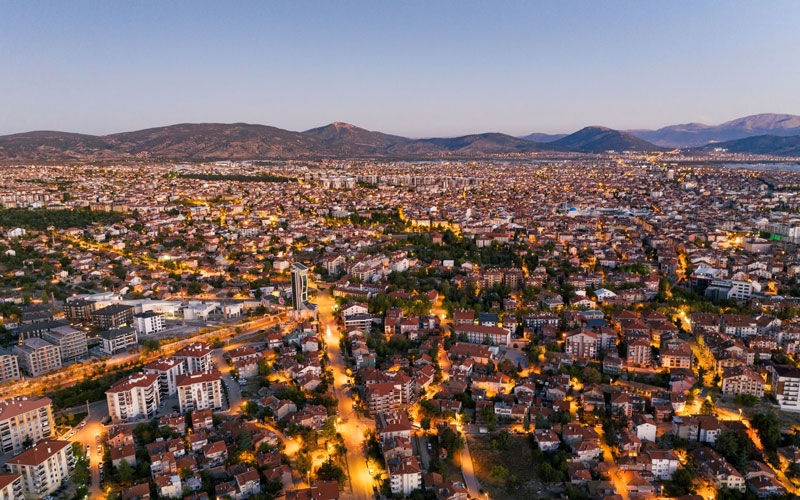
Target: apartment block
37, 356
134, 397
199, 390
9, 366
72, 342
24, 418
168, 371
43, 467
197, 357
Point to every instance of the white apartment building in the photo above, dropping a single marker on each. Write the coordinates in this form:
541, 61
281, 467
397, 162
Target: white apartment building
9, 366
37, 356
405, 475
134, 397
200, 390
148, 323
11, 487
197, 357
43, 467
22, 418
168, 371
72, 342
786, 387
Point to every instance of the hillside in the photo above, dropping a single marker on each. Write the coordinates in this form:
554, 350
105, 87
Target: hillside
543, 138
761, 145
601, 139
345, 139
698, 134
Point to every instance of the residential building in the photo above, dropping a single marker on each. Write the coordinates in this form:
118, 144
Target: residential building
786, 387
112, 316
197, 357
116, 340
199, 390
134, 397
479, 334
37, 357
43, 467
581, 344
742, 380
405, 475
72, 342
168, 370
11, 486
676, 355
9, 366
148, 323
639, 352
24, 418
79, 310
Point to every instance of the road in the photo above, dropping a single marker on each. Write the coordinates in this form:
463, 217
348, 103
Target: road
468, 471
352, 425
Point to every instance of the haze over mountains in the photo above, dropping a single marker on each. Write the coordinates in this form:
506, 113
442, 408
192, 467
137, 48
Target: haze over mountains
241, 141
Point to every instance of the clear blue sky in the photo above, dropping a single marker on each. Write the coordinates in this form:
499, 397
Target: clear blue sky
429, 68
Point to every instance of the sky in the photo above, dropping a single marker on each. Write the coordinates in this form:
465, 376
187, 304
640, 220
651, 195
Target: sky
412, 68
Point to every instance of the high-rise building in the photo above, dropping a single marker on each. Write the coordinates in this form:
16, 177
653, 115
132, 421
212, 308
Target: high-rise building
299, 286
24, 419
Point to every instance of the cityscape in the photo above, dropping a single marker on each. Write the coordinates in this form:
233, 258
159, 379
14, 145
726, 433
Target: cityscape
401, 250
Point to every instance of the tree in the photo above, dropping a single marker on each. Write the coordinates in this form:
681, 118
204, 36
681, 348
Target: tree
245, 441
769, 430
126, 472
303, 463
488, 417
498, 472
425, 423
451, 441
591, 376
502, 441
707, 408
328, 430
329, 471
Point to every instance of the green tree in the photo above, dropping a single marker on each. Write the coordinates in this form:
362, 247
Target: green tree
126, 472
498, 472
503, 440
425, 423
329, 471
245, 441
488, 417
303, 463
769, 430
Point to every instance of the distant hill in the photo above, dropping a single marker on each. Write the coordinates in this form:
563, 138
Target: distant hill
760, 145
543, 138
344, 139
601, 139
477, 144
187, 141
698, 134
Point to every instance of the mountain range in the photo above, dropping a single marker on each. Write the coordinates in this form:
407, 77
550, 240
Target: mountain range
759, 134
697, 134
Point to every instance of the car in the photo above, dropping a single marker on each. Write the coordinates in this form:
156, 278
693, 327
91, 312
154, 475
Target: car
99, 448
371, 472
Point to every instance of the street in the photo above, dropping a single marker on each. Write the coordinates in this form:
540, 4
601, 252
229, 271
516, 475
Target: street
352, 425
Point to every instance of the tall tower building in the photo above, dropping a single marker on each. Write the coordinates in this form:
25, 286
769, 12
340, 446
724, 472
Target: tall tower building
299, 286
